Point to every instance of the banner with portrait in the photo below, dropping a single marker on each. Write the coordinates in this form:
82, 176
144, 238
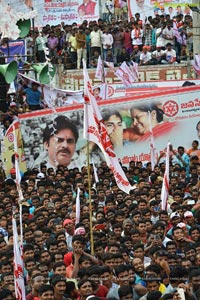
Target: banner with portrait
152, 8
175, 117
54, 12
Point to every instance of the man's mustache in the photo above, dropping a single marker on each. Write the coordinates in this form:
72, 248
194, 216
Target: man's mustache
64, 150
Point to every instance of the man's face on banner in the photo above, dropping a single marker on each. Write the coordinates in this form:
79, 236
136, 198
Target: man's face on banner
61, 147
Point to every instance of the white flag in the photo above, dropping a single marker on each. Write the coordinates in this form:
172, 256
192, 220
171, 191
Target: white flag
18, 266
134, 69
152, 144
100, 72
124, 73
95, 131
196, 64
110, 65
78, 206
165, 184
95, 173
177, 33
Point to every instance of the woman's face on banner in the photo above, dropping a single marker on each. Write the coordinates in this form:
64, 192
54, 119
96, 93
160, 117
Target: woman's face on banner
141, 120
114, 123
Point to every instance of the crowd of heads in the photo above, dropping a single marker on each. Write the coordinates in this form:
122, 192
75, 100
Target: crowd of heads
137, 250
144, 40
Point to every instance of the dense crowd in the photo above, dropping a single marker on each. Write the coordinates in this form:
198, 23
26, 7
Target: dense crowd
162, 39
140, 251
135, 250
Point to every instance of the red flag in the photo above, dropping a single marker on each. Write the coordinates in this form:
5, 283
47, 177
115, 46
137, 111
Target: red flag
165, 184
152, 144
18, 266
95, 131
124, 73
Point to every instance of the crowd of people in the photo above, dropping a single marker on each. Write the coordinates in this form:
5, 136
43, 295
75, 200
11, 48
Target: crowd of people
121, 247
163, 39
137, 250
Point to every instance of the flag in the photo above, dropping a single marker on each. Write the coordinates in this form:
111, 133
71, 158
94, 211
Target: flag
196, 64
134, 69
165, 184
110, 65
124, 73
152, 144
78, 206
95, 173
100, 72
18, 266
177, 33
104, 91
95, 131
18, 181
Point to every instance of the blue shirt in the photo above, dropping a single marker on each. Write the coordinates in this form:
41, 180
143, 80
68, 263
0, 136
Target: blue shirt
33, 97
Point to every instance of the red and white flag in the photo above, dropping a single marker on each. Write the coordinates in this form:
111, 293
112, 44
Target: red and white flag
177, 33
110, 65
100, 72
152, 144
18, 266
95, 131
15, 124
196, 64
165, 184
124, 73
134, 69
18, 181
78, 206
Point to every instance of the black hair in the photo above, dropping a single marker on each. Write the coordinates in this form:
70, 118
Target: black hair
4, 293
120, 269
44, 288
125, 290
59, 123
57, 278
150, 108
107, 113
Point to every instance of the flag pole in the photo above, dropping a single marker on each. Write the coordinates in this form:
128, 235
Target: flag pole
90, 200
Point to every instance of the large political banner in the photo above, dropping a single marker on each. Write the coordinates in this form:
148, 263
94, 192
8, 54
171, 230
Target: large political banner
175, 116
53, 12
152, 8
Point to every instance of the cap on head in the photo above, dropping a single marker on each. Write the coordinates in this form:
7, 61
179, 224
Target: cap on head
174, 215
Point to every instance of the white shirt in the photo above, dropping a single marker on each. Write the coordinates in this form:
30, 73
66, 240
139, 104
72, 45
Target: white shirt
170, 54
107, 40
139, 34
145, 57
95, 38
169, 33
160, 41
157, 53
